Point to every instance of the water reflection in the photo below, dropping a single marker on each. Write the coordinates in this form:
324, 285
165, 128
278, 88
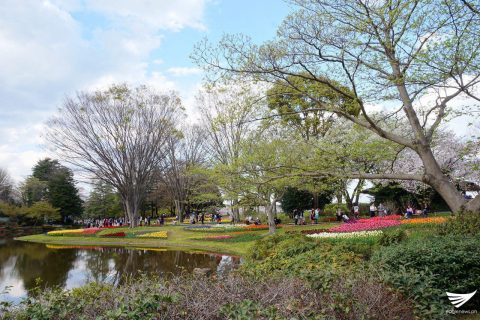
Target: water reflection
21, 263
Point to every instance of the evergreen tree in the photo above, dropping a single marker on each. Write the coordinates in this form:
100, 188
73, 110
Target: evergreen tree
103, 202
61, 191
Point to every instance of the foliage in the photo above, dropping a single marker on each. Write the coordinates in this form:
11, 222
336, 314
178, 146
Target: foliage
43, 210
331, 208
103, 202
187, 297
392, 237
295, 198
11, 210
297, 104
60, 190
467, 223
424, 270
33, 190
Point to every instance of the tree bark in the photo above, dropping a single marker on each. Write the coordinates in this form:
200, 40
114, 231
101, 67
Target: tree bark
235, 211
272, 228
441, 183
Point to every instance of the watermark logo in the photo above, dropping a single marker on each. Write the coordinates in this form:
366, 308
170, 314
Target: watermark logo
459, 299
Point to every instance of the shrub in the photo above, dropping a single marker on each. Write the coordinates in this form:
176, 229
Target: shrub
230, 297
392, 237
425, 269
467, 223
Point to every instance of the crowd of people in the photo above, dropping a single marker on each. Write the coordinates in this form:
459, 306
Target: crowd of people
298, 216
341, 215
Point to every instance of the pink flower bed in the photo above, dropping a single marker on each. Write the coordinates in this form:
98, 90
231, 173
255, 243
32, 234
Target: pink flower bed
367, 224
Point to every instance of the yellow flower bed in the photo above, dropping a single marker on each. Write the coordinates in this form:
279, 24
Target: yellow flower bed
424, 220
64, 232
158, 234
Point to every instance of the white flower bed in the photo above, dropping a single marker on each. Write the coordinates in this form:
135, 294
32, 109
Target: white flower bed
357, 234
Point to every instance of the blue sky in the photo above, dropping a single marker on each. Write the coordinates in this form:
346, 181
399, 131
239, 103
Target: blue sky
50, 49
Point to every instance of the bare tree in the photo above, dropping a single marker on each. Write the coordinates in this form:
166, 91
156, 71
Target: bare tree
6, 185
185, 152
118, 135
394, 52
227, 113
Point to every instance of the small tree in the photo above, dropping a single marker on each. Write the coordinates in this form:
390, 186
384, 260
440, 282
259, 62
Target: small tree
43, 211
118, 136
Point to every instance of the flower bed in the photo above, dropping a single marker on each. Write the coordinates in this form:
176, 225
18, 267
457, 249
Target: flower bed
215, 228
424, 220
91, 230
225, 236
358, 234
114, 235
156, 235
314, 231
258, 227
366, 224
70, 232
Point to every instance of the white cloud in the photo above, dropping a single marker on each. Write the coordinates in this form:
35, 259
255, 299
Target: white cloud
184, 71
48, 52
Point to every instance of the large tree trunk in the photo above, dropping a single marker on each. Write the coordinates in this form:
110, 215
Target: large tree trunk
235, 211
271, 218
179, 210
132, 211
441, 183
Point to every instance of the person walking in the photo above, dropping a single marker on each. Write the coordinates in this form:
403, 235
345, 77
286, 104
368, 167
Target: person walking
317, 215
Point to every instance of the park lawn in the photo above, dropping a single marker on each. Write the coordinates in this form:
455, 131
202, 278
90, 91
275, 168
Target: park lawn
178, 238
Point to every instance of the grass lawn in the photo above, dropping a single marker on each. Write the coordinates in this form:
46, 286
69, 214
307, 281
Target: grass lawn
178, 238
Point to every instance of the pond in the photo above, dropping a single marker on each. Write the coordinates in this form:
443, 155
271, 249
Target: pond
21, 263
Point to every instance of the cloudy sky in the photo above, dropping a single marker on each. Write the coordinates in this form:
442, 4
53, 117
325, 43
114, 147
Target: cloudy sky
51, 49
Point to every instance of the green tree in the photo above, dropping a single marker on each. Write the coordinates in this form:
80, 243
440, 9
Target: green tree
295, 198
389, 52
33, 190
61, 191
43, 211
103, 201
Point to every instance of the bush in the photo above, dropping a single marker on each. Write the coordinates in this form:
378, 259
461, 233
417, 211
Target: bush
392, 237
200, 298
467, 223
195, 298
423, 270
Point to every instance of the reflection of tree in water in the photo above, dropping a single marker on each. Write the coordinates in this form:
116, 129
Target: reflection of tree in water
128, 262
32, 261
36, 261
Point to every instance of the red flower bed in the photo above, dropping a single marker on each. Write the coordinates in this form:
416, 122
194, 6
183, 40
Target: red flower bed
115, 235
91, 230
